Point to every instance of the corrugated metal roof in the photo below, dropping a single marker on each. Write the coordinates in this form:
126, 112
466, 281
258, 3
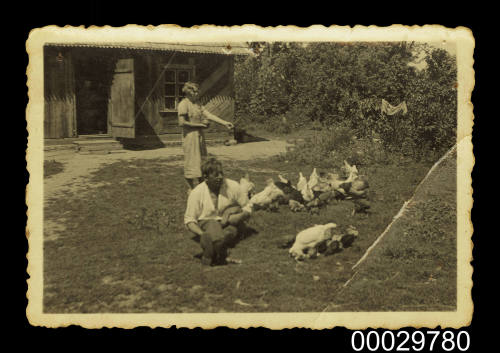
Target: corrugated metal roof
229, 48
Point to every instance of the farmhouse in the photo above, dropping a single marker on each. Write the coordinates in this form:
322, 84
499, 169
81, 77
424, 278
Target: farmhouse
132, 89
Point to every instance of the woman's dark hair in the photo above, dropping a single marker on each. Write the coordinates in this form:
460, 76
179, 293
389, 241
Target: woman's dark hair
211, 165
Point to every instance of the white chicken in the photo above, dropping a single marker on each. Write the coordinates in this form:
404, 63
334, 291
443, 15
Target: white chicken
296, 206
355, 185
307, 241
305, 190
344, 186
334, 181
302, 182
246, 187
358, 187
321, 187
307, 193
351, 170
313, 179
264, 198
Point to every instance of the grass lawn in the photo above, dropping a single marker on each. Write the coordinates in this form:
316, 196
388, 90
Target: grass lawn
414, 267
124, 247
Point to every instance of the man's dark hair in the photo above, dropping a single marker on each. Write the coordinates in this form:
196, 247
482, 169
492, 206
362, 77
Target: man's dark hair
210, 166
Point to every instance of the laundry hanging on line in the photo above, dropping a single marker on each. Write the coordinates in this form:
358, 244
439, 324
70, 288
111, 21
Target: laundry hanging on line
391, 110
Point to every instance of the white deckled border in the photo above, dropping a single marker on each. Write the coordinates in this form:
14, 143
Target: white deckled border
460, 37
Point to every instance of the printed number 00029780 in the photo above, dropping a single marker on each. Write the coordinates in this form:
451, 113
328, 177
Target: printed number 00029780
387, 341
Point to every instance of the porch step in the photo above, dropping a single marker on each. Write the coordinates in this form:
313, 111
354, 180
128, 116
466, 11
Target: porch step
65, 147
95, 136
85, 145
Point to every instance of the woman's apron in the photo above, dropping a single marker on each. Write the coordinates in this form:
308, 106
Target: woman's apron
193, 142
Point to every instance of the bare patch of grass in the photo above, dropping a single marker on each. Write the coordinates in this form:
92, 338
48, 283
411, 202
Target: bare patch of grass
52, 167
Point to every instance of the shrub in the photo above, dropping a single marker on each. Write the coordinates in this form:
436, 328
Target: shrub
292, 86
329, 147
279, 125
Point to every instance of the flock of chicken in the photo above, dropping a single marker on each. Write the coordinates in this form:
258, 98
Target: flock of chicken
310, 194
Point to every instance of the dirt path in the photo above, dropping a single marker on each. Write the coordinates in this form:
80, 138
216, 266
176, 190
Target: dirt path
78, 166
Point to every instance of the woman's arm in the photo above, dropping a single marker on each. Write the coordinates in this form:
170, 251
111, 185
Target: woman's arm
216, 119
184, 122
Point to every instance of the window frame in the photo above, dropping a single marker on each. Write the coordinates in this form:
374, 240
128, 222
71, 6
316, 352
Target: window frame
176, 68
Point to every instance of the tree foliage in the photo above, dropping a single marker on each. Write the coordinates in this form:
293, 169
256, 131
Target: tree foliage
292, 85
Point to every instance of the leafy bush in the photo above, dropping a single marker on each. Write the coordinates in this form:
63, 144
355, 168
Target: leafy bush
329, 147
279, 125
292, 86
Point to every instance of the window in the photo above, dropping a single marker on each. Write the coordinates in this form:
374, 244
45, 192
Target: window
175, 78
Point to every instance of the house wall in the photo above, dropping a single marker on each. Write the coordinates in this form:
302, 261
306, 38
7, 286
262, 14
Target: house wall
217, 89
59, 93
63, 80
149, 92
214, 74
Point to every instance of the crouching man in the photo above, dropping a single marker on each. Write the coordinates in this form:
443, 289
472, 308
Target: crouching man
214, 210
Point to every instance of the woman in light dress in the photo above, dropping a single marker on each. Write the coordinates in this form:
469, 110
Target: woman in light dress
193, 119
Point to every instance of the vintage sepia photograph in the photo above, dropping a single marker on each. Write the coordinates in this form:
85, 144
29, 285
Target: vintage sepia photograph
250, 177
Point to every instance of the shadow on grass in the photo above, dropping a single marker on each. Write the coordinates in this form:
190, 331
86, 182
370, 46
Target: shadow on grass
245, 231
52, 168
142, 143
241, 136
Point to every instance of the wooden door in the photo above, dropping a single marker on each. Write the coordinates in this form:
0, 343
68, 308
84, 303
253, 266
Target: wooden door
122, 102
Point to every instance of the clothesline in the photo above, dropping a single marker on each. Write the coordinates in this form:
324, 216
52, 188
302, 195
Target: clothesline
389, 109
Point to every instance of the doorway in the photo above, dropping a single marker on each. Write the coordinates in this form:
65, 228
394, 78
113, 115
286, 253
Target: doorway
92, 86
